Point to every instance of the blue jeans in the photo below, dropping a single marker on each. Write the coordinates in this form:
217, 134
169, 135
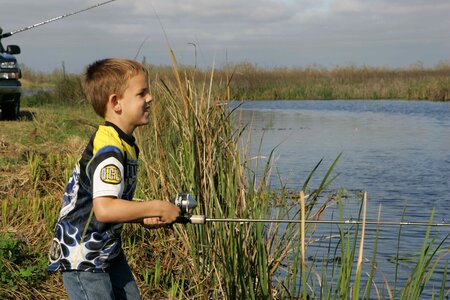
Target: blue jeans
116, 283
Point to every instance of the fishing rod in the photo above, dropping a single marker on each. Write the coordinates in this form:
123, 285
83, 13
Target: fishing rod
201, 219
8, 34
186, 203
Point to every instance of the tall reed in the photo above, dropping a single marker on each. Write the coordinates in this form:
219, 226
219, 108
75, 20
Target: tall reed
193, 150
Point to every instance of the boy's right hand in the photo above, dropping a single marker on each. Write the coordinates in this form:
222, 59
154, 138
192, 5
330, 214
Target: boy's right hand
169, 212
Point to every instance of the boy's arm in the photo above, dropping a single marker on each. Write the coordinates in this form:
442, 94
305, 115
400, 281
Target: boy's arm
114, 210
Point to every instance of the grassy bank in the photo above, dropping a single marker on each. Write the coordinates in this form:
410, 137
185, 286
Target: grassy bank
348, 82
248, 81
192, 146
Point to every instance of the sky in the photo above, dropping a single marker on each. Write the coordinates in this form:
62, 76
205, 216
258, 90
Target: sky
266, 33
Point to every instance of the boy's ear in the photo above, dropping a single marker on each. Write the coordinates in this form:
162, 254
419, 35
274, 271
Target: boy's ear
114, 102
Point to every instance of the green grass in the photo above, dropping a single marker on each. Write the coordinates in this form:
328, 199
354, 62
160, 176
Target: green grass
20, 265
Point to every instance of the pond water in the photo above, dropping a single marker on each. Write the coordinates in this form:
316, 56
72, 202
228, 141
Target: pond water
397, 151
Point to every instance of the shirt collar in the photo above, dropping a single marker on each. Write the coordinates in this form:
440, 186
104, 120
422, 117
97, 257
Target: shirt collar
129, 139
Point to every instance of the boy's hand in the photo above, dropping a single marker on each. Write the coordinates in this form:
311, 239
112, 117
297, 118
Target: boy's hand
169, 214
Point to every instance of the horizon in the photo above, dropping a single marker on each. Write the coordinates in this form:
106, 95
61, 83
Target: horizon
255, 66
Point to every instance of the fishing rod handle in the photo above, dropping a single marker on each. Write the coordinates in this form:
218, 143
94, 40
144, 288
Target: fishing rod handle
198, 219
195, 219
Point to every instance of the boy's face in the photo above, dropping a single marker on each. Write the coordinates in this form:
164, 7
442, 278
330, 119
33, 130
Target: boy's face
135, 103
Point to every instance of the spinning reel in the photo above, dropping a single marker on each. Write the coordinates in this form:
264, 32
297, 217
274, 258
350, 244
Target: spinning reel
187, 203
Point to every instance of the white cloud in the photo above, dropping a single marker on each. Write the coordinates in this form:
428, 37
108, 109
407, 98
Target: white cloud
266, 32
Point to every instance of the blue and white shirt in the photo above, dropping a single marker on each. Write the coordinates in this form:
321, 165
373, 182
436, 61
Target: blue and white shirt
107, 167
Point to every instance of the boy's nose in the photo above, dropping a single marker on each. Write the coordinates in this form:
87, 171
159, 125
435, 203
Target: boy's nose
149, 98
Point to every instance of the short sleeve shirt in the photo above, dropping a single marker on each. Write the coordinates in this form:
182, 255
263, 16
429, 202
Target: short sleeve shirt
107, 167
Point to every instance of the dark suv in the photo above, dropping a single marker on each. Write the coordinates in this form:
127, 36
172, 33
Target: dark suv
10, 86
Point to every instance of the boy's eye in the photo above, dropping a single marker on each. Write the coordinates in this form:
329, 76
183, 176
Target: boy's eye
143, 93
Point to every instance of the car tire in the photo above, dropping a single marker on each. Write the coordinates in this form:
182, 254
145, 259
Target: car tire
10, 111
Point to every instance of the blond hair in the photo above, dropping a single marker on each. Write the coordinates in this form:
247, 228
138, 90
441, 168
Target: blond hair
109, 76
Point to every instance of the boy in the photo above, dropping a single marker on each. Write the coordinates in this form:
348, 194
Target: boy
87, 246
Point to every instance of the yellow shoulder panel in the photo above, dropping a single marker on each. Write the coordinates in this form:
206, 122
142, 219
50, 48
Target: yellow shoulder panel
106, 136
